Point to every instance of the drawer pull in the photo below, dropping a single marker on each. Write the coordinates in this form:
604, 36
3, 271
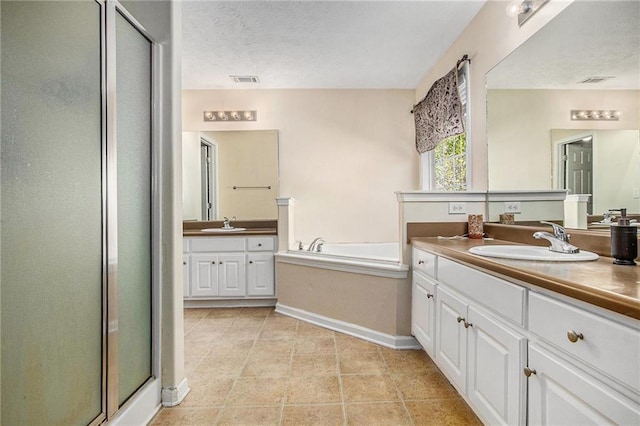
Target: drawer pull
251, 261
429, 295
259, 244
529, 371
464, 321
574, 337
421, 262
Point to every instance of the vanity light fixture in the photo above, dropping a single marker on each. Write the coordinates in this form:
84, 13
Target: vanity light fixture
524, 9
237, 115
595, 114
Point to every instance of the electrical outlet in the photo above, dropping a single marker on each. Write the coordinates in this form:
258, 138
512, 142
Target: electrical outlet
457, 208
512, 207
636, 193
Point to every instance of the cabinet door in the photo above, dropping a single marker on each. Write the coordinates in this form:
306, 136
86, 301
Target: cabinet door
231, 275
260, 275
451, 338
560, 394
423, 312
185, 276
204, 275
496, 357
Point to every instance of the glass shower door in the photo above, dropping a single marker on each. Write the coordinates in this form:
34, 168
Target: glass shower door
51, 207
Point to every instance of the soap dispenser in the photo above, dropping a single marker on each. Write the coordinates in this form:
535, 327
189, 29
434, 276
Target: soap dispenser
624, 240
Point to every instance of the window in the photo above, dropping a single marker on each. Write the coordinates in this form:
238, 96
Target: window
448, 166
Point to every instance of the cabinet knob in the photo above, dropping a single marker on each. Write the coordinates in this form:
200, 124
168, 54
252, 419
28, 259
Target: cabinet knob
529, 371
573, 336
219, 263
251, 261
429, 295
184, 263
460, 319
214, 262
259, 244
420, 262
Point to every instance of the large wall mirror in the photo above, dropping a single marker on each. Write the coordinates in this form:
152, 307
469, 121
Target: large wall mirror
230, 173
587, 58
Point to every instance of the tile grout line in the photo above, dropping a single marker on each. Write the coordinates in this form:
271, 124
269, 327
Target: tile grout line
286, 386
398, 392
343, 404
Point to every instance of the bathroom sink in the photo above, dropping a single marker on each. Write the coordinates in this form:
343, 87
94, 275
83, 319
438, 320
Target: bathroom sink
531, 253
224, 230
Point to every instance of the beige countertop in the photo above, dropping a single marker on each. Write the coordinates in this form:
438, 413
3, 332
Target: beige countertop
600, 282
192, 228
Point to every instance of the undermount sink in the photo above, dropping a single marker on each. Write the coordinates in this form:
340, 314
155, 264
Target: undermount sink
531, 253
224, 230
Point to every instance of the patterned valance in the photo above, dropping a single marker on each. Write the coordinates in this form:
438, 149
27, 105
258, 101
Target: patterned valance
439, 115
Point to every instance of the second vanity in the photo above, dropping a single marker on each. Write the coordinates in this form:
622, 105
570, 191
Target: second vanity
529, 342
231, 267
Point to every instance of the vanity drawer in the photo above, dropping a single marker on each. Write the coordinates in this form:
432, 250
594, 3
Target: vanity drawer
208, 244
260, 244
606, 345
424, 262
503, 297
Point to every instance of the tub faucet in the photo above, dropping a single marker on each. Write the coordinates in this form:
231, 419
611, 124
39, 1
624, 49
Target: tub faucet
559, 240
314, 246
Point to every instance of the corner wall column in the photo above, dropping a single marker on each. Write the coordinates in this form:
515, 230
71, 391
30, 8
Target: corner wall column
285, 223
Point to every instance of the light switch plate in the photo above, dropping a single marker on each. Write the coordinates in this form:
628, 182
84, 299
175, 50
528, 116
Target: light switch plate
457, 208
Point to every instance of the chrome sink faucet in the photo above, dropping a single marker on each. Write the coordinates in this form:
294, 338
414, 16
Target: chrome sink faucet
559, 240
226, 223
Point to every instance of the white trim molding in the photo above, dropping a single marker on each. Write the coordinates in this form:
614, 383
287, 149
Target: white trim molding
528, 195
357, 266
286, 201
440, 196
174, 396
229, 303
144, 404
387, 340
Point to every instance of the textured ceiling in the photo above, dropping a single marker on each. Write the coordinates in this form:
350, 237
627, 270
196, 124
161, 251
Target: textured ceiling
587, 39
318, 44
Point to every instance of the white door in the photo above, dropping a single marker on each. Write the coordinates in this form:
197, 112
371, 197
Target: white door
260, 274
496, 357
451, 338
560, 394
204, 275
232, 277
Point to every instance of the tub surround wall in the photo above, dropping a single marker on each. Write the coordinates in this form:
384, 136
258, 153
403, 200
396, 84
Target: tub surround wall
374, 308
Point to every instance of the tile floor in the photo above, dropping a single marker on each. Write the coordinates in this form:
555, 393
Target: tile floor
253, 366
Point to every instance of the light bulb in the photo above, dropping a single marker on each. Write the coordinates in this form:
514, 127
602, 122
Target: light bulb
514, 8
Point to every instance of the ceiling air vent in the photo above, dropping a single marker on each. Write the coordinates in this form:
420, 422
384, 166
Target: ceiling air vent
245, 78
593, 80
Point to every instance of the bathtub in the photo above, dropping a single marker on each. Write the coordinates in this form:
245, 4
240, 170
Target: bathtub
377, 259
361, 289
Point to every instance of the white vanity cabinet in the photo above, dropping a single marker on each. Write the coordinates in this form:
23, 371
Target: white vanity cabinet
423, 300
481, 353
230, 267
522, 355
584, 368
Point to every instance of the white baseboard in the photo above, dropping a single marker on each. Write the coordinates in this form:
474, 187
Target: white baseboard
230, 303
142, 407
393, 342
174, 396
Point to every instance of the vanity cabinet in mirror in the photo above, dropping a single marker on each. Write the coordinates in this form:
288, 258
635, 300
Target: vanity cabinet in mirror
230, 173
531, 93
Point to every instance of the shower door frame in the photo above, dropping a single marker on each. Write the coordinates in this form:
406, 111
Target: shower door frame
149, 393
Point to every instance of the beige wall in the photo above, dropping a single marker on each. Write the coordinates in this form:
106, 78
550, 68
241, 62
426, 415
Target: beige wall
489, 38
343, 153
520, 123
